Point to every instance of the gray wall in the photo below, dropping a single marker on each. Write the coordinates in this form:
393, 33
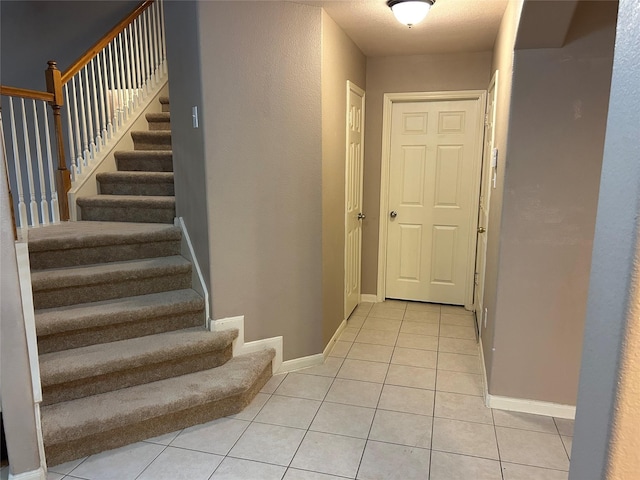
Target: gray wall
416, 73
559, 103
342, 60
34, 32
263, 149
607, 437
190, 178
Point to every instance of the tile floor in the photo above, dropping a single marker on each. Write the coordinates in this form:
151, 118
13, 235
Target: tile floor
399, 398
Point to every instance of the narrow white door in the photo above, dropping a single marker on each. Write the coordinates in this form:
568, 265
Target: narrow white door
433, 168
488, 174
353, 196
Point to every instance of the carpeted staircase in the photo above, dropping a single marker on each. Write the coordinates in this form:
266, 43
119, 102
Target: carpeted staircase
124, 353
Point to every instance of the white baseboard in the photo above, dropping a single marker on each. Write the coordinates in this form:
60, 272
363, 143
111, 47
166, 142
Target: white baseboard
334, 339
366, 297
302, 362
38, 474
242, 348
523, 405
187, 250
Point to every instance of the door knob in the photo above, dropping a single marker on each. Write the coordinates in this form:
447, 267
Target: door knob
481, 229
361, 216
393, 214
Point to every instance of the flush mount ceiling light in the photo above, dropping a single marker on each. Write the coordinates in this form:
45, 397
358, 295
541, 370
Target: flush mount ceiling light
410, 12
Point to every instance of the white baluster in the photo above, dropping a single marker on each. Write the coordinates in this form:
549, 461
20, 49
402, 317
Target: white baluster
132, 70
44, 206
22, 207
128, 71
79, 160
145, 52
33, 205
89, 112
72, 154
152, 71
101, 84
118, 87
137, 48
156, 41
96, 108
113, 117
164, 41
55, 210
123, 79
83, 122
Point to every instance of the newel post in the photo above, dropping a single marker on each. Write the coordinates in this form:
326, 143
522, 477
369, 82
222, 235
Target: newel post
63, 176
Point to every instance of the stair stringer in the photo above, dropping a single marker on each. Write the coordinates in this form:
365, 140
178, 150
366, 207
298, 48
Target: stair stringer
86, 185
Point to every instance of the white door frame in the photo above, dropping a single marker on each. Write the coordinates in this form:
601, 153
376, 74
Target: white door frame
389, 100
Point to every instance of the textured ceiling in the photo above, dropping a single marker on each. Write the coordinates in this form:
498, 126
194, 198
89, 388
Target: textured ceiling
451, 26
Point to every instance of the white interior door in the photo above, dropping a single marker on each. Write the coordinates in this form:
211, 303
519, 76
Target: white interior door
488, 177
353, 196
433, 170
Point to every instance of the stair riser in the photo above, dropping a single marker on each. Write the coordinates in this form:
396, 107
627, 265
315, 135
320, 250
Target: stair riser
121, 288
145, 141
119, 331
102, 254
82, 446
155, 126
145, 165
166, 107
135, 376
140, 215
153, 189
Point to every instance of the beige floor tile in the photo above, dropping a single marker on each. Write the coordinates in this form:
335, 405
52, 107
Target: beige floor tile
373, 353
328, 453
353, 392
343, 419
467, 408
385, 461
456, 362
457, 382
420, 328
532, 448
407, 376
512, 471
67, 467
386, 312
288, 411
238, 469
402, 428
356, 321
349, 334
377, 337
312, 387
124, 462
421, 317
449, 466
391, 303
181, 464
421, 342
565, 426
273, 383
455, 331
414, 358
465, 438
268, 443
458, 345
363, 370
385, 324
423, 307
296, 474
363, 308
213, 437
328, 368
524, 421
340, 349
459, 320
568, 443
250, 412
455, 310
4, 475
406, 399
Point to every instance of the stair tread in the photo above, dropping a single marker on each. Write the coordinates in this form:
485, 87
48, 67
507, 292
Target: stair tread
75, 419
158, 117
86, 362
123, 201
163, 99
135, 177
57, 278
152, 134
70, 235
130, 309
137, 154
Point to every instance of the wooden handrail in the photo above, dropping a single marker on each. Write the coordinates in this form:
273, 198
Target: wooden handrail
103, 42
26, 93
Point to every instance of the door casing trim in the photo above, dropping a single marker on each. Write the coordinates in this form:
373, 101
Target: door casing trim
388, 101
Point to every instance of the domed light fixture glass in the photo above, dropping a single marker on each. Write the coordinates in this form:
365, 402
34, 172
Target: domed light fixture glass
410, 12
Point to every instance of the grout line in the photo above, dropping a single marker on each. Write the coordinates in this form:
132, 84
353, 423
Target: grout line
495, 434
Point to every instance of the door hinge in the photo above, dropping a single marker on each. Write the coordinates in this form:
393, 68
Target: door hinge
475, 278
486, 119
